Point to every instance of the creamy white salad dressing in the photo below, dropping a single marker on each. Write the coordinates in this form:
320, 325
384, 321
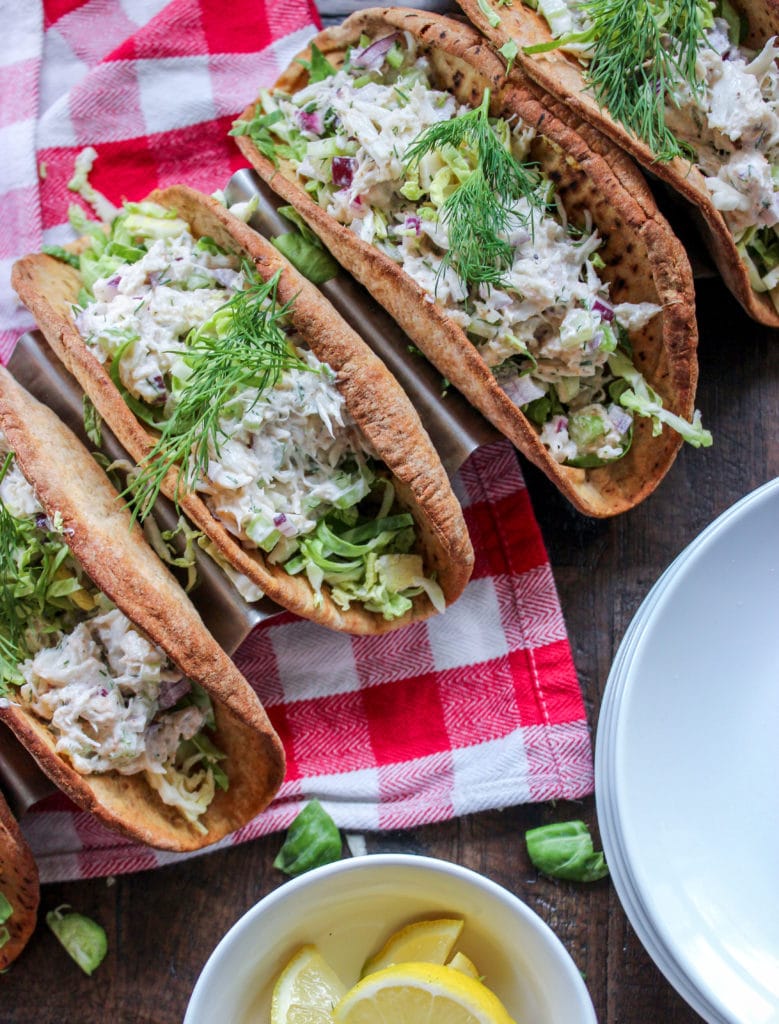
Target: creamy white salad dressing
552, 309
98, 689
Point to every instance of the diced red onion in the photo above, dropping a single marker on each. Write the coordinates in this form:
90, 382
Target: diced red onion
343, 170
415, 223
605, 309
522, 389
283, 525
311, 122
158, 383
620, 419
372, 57
562, 424
155, 277
171, 692
108, 289
225, 276
42, 521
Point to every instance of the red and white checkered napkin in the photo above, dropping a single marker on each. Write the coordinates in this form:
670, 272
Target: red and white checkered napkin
475, 709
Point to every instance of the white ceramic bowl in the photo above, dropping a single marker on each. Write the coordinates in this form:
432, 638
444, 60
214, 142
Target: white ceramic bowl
350, 908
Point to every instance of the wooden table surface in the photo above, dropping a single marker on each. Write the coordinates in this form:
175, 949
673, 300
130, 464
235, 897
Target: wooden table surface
162, 925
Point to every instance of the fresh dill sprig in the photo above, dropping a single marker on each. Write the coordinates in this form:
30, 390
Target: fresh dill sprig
639, 53
480, 211
243, 345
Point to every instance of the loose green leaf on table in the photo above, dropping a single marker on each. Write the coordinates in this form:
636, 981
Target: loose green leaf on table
84, 939
564, 850
6, 910
313, 840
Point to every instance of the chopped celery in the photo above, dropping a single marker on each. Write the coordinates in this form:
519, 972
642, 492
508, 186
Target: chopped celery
584, 429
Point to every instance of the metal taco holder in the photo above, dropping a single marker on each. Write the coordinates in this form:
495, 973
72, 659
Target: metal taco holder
454, 426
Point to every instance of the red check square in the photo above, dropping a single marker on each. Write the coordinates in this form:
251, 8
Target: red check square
406, 719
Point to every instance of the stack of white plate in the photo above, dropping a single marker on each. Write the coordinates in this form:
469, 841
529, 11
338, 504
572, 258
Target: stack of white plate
687, 767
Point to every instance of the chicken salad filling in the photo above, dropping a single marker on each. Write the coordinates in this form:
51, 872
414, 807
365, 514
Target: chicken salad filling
203, 352
378, 147
722, 105
112, 700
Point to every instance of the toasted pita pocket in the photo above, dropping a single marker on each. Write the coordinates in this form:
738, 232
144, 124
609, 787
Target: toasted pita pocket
644, 260
381, 410
19, 885
69, 484
562, 77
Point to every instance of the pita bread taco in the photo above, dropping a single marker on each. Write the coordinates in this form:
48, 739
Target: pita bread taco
690, 89
19, 888
526, 259
107, 674
246, 398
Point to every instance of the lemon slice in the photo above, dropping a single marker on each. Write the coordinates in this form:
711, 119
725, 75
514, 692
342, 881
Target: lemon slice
420, 994
306, 991
460, 962
422, 942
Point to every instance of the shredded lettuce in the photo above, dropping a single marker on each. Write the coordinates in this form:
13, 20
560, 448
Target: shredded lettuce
759, 251
58, 253
640, 398
80, 183
367, 559
43, 591
310, 259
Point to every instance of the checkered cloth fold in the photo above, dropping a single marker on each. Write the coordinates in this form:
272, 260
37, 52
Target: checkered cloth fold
476, 709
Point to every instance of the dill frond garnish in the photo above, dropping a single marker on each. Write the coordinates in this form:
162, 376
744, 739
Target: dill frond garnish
243, 345
481, 210
639, 53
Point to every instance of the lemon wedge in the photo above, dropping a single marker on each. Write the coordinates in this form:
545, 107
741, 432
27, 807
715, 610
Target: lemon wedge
306, 991
420, 994
460, 962
421, 942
